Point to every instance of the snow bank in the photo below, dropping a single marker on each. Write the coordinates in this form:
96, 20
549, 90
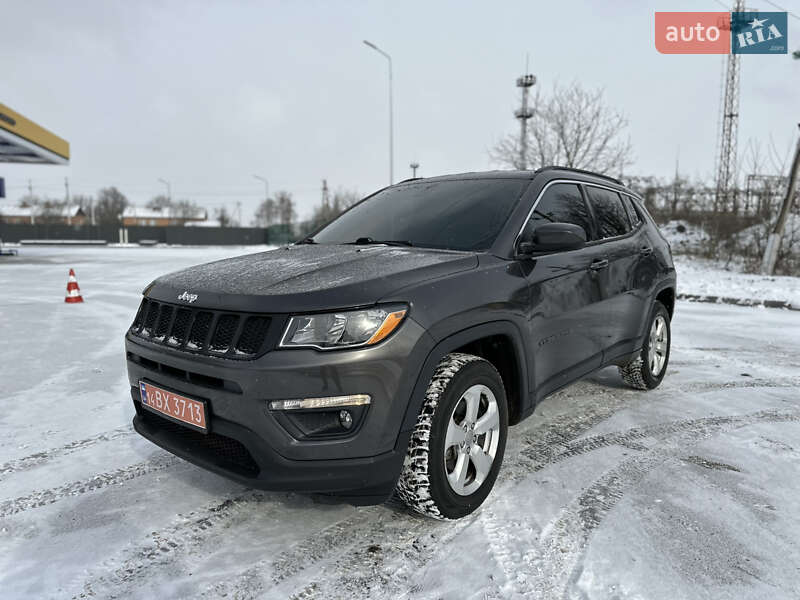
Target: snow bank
683, 237
708, 278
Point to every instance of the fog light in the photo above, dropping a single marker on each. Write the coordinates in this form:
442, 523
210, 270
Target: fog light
345, 419
330, 402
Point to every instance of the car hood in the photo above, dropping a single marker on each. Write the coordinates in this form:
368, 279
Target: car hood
307, 277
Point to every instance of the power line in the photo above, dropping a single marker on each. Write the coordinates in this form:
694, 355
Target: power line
778, 6
788, 12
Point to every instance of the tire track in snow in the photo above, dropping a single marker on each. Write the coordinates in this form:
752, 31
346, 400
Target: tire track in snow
417, 543
496, 530
631, 437
166, 547
369, 569
266, 574
40, 498
38, 458
428, 538
555, 564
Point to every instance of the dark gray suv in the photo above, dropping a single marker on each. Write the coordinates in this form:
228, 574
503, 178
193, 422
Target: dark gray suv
391, 350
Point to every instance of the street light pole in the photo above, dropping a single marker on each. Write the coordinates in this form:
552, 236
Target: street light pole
266, 185
169, 188
391, 111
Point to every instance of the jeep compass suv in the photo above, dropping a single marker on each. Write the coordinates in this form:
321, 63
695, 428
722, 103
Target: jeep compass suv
391, 350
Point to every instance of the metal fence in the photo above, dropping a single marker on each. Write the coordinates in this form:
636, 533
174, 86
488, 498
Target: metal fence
194, 236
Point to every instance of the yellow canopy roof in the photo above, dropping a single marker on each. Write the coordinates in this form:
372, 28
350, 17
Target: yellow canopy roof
23, 141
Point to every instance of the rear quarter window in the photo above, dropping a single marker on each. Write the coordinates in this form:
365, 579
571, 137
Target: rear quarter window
633, 213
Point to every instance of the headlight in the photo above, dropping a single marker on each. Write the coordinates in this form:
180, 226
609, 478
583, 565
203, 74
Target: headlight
344, 329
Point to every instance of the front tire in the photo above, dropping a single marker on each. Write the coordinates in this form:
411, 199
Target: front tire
647, 370
458, 443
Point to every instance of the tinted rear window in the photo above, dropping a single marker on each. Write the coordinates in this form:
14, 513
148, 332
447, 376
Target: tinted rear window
611, 216
465, 214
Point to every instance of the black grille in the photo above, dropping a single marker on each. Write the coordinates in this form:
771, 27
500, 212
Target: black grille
164, 319
179, 327
224, 332
217, 333
221, 449
150, 318
253, 334
199, 332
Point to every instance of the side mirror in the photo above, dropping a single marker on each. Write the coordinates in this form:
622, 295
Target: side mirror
550, 237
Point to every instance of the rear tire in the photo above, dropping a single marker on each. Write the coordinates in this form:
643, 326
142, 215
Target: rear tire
457, 445
647, 370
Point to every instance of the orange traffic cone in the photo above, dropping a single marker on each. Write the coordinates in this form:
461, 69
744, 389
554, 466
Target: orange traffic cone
73, 291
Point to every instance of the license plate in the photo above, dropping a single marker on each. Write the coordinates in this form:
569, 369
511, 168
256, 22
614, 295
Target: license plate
179, 408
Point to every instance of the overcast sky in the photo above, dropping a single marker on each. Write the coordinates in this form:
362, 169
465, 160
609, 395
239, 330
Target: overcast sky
208, 94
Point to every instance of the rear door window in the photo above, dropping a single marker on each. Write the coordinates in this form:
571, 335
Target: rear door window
610, 213
562, 203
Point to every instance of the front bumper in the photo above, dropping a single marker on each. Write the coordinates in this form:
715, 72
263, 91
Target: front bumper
249, 444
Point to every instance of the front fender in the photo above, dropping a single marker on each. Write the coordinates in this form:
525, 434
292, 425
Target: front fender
452, 342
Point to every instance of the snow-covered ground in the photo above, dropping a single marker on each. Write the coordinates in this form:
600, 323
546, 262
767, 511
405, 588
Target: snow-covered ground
688, 491
702, 277
684, 237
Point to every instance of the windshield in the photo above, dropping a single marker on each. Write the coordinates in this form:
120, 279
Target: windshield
464, 214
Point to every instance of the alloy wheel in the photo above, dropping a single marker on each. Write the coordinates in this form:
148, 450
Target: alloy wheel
659, 343
473, 434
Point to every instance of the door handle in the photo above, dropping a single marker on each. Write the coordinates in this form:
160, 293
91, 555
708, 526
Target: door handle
599, 264
645, 250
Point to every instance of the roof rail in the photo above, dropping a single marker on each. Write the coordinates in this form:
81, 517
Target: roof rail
582, 171
410, 179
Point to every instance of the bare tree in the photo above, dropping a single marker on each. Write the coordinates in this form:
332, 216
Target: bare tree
110, 205
186, 209
285, 208
51, 211
224, 217
325, 213
84, 201
28, 200
266, 214
572, 127
344, 199
159, 202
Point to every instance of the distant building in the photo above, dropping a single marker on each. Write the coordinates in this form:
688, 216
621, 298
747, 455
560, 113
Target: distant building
33, 215
161, 217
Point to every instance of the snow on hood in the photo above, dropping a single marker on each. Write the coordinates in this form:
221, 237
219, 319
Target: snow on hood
309, 277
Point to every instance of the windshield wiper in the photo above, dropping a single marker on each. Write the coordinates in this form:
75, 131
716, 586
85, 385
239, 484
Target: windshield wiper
308, 240
363, 241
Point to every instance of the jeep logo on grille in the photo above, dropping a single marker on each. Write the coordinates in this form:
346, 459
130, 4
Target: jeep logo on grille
187, 297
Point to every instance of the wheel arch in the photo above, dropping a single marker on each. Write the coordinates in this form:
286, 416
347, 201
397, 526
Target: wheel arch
493, 340
666, 295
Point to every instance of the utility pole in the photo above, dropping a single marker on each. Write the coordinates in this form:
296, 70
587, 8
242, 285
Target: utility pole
414, 166
32, 206
774, 240
66, 190
169, 189
526, 82
391, 110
